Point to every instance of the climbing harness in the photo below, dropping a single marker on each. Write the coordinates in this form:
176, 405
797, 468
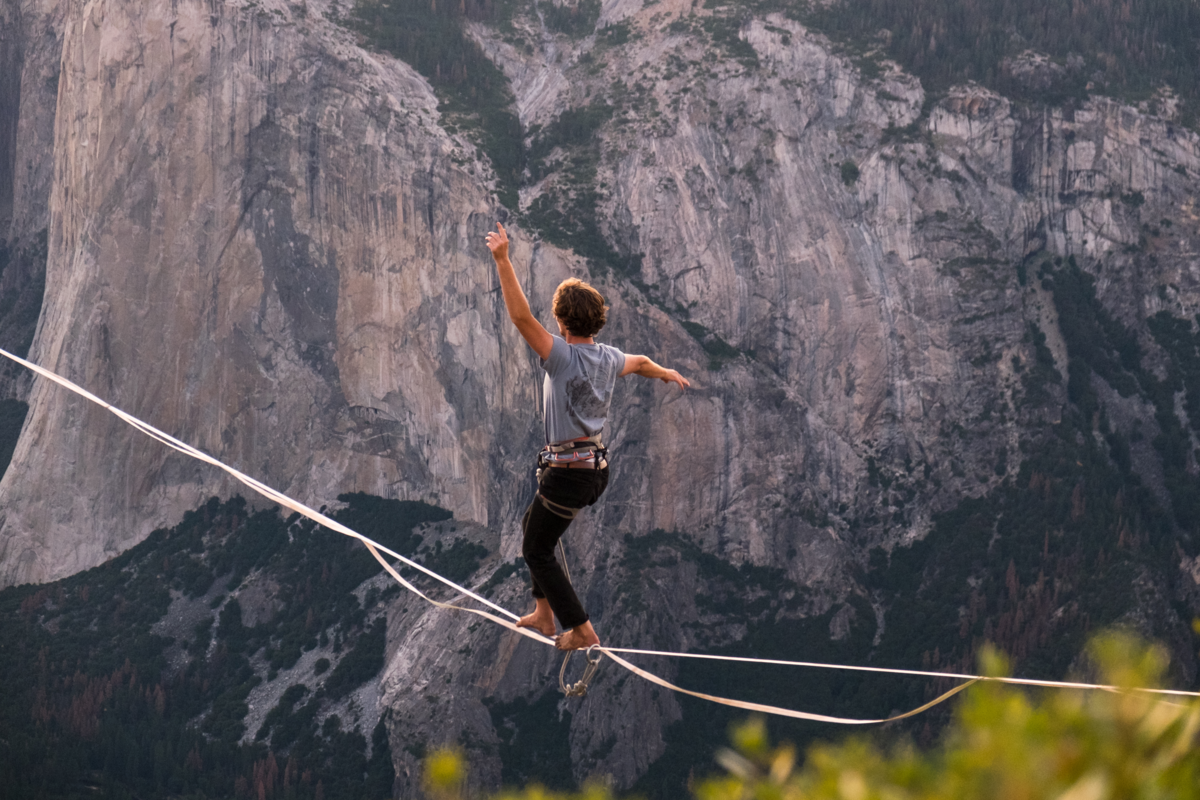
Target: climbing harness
559, 456
377, 550
580, 687
566, 512
588, 448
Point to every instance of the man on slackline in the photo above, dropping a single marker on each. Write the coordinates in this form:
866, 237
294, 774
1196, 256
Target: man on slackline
573, 472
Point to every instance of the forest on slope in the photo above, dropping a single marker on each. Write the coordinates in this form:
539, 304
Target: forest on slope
135, 678
1132, 50
1074, 539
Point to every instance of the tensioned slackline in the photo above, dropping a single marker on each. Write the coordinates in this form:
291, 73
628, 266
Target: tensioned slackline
377, 550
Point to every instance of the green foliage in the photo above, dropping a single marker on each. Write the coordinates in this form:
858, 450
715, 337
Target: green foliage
1003, 743
445, 774
360, 664
456, 562
473, 93
718, 349
574, 129
23, 282
725, 30
1043, 370
567, 213
535, 741
1097, 343
1133, 199
128, 712
12, 419
1182, 347
575, 20
849, 172
1181, 340
1127, 49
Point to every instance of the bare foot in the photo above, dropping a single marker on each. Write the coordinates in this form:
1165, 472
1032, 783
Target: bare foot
541, 620
578, 638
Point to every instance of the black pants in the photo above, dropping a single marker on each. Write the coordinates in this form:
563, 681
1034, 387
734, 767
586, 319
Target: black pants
570, 488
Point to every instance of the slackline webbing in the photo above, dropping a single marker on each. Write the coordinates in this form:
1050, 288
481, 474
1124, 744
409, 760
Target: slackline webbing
377, 549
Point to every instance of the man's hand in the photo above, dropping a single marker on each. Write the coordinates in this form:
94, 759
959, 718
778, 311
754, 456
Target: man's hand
641, 365
514, 298
498, 242
672, 376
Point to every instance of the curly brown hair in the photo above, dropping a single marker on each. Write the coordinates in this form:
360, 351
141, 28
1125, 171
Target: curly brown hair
580, 308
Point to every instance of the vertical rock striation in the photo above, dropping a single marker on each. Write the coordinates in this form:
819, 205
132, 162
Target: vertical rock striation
261, 240
258, 242
30, 55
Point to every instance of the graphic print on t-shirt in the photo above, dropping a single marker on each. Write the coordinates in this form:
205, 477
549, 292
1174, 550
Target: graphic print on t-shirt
582, 399
578, 388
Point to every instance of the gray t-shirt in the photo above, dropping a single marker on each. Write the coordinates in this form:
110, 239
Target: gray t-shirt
578, 388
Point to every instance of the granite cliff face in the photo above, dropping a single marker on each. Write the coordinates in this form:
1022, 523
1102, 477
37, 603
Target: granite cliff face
295, 196
30, 55
262, 240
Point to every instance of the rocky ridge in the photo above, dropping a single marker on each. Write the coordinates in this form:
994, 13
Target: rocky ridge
262, 241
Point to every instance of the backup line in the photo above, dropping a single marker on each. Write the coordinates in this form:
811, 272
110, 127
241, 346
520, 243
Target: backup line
507, 619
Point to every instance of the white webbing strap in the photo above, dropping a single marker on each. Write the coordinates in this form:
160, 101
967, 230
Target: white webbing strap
376, 549
776, 710
287, 502
911, 672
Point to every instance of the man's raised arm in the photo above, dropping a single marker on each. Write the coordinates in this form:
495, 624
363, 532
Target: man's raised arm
514, 298
641, 365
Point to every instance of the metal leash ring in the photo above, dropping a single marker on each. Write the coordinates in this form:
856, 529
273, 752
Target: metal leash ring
580, 687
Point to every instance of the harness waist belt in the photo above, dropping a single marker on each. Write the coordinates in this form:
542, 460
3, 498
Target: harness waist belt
570, 458
588, 451
571, 448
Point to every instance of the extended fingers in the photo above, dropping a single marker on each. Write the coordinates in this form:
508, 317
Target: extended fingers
495, 239
496, 242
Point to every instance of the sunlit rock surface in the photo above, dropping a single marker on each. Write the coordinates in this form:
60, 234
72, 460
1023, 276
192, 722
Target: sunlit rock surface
262, 241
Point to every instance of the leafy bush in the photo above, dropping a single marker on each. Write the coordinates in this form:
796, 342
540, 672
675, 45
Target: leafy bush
726, 30
577, 20
12, 419
456, 562
1128, 50
23, 269
849, 172
96, 703
360, 664
1004, 742
473, 92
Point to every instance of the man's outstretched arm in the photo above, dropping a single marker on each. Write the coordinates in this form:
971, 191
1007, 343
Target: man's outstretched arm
641, 365
514, 298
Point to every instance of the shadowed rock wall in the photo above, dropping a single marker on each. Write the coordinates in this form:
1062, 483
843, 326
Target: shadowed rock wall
262, 241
